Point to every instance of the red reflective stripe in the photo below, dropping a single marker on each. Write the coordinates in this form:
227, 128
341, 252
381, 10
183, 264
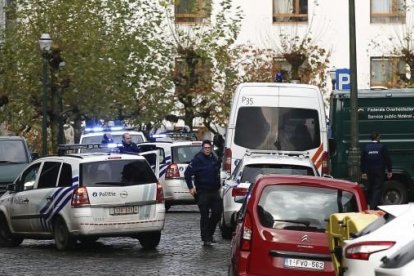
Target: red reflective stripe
317, 154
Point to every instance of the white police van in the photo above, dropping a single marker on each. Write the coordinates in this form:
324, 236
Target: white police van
81, 197
277, 116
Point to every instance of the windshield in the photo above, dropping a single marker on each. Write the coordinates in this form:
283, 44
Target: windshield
250, 172
13, 151
117, 173
295, 207
277, 128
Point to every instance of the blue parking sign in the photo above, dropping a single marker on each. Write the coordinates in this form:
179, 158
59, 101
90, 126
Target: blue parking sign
343, 79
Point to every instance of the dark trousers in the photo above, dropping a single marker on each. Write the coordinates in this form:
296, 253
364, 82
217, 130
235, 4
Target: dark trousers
375, 187
211, 207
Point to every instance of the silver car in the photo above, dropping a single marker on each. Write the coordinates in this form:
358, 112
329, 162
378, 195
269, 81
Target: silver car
248, 168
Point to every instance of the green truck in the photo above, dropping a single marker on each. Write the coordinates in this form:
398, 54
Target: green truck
14, 157
391, 113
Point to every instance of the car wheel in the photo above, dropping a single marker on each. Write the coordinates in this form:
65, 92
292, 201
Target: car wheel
63, 240
149, 240
167, 206
6, 237
394, 193
226, 232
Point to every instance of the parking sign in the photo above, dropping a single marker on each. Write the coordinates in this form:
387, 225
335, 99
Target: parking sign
343, 79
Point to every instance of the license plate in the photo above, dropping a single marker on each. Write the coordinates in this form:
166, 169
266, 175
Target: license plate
124, 210
308, 264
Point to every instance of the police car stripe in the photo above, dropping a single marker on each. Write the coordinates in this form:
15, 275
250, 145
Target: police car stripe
47, 212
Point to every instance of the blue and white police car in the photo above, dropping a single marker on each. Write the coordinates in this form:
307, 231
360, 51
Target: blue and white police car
82, 197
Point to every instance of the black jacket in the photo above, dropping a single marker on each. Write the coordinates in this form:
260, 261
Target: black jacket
129, 148
206, 172
375, 156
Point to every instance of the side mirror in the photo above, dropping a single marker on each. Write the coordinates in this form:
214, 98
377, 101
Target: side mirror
28, 185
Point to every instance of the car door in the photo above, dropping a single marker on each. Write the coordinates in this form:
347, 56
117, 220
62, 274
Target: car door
153, 158
41, 201
19, 211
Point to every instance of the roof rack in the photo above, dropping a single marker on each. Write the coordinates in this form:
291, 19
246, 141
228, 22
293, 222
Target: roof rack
173, 136
63, 149
278, 152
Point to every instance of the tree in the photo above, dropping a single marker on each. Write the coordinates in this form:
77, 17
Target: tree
117, 61
203, 77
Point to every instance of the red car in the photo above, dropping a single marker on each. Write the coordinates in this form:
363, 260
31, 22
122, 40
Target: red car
281, 225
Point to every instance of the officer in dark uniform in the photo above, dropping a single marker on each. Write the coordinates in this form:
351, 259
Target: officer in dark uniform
127, 145
206, 171
375, 160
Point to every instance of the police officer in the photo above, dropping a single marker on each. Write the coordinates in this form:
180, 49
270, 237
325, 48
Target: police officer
206, 171
127, 145
375, 160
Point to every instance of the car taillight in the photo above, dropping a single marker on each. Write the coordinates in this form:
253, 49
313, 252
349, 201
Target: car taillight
362, 250
160, 194
325, 163
227, 160
246, 238
172, 171
237, 191
80, 197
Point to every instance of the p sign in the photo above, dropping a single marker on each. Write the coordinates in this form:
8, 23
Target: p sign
343, 79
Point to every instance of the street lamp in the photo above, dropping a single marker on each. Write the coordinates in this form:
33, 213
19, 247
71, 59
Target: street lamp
45, 43
332, 74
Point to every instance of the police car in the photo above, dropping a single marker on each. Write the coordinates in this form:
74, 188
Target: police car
81, 197
109, 135
248, 169
174, 159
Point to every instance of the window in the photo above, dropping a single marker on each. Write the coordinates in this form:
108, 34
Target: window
28, 179
65, 178
13, 151
277, 128
250, 172
388, 11
116, 173
290, 10
49, 175
192, 11
184, 154
387, 71
296, 207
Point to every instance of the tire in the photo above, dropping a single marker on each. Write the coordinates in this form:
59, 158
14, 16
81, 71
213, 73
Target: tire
149, 240
394, 193
167, 206
63, 239
226, 232
7, 239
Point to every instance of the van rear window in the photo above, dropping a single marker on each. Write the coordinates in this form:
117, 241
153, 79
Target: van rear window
277, 128
116, 173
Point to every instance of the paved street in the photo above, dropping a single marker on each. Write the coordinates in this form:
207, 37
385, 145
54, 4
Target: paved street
180, 253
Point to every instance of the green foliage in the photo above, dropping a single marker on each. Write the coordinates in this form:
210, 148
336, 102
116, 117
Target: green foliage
116, 56
206, 49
